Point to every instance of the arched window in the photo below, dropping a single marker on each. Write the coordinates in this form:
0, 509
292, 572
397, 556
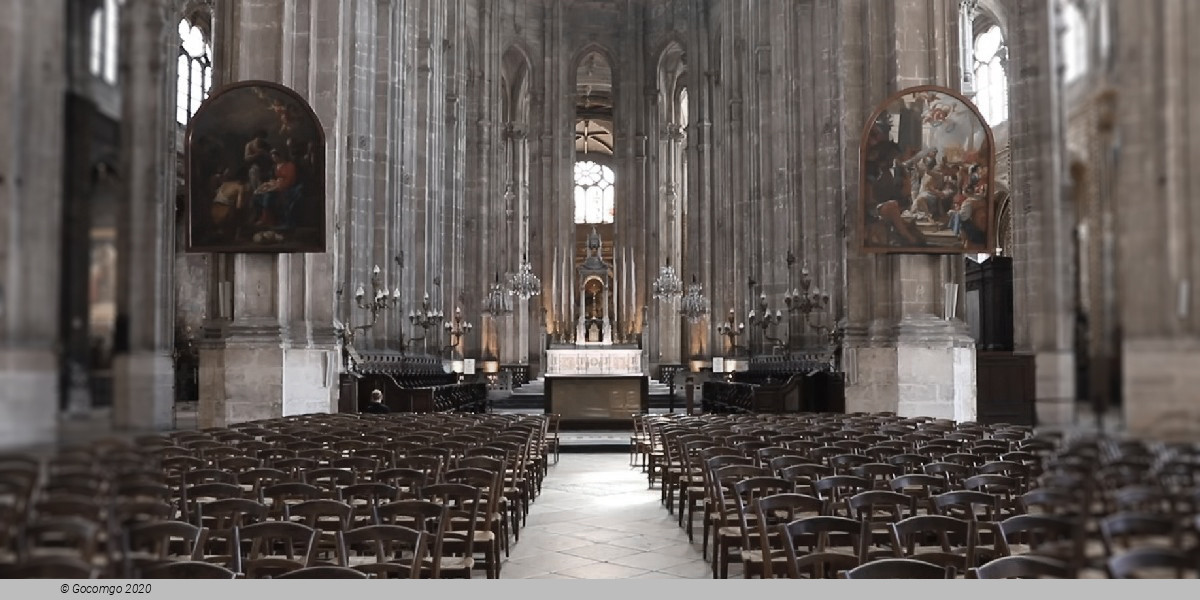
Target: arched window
683, 108
195, 71
1074, 42
991, 76
593, 193
102, 41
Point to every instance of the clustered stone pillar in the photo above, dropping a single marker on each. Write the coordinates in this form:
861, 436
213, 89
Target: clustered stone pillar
1156, 217
143, 369
270, 348
1043, 296
901, 355
32, 92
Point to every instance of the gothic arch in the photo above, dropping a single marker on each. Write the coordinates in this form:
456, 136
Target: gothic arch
670, 73
516, 75
609, 58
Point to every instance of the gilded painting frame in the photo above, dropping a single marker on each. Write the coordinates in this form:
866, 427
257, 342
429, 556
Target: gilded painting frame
255, 172
927, 175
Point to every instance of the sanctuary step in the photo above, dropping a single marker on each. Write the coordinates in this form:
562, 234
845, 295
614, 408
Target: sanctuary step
532, 395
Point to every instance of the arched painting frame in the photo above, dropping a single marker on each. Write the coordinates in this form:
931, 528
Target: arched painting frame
927, 162
255, 172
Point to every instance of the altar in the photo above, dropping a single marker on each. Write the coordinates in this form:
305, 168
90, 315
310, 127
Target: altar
599, 360
595, 372
596, 383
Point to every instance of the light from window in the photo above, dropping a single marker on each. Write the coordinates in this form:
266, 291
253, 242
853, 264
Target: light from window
195, 71
102, 41
991, 77
594, 193
1074, 43
683, 108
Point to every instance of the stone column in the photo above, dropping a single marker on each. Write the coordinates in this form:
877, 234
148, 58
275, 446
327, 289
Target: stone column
143, 369
1156, 217
1043, 293
902, 355
32, 91
269, 348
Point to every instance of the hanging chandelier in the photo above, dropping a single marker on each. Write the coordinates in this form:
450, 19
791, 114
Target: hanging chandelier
668, 285
524, 283
694, 305
497, 302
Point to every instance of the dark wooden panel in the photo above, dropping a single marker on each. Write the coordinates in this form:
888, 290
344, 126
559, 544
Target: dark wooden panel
1005, 388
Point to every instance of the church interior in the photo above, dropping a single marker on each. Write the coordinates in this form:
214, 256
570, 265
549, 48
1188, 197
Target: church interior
552, 288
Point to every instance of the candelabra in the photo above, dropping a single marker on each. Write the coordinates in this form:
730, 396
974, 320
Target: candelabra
764, 319
524, 282
427, 318
809, 302
456, 328
731, 329
694, 305
380, 299
668, 285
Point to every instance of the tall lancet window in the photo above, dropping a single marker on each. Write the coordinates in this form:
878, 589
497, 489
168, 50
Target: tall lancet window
1074, 42
594, 193
991, 75
195, 71
683, 126
102, 40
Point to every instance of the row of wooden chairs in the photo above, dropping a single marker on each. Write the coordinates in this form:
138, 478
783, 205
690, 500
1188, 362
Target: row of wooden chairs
1021, 472
224, 478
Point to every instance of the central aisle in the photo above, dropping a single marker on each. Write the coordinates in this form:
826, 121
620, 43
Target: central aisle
596, 519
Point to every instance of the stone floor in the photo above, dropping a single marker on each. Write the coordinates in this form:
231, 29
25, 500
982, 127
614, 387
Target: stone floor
597, 519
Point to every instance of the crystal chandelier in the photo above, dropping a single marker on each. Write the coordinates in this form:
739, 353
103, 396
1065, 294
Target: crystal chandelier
694, 305
497, 302
524, 283
668, 285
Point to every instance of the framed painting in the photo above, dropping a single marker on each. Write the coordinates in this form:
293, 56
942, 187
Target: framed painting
927, 164
255, 174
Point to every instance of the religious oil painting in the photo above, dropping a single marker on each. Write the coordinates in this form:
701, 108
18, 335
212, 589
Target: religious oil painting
927, 172
255, 172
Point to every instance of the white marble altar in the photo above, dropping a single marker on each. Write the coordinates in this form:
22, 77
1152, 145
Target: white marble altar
593, 361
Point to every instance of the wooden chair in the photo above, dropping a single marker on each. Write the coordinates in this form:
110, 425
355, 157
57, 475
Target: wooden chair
327, 517
877, 509
365, 500
1023, 566
753, 551
489, 532
817, 535
1153, 563
725, 516
391, 551
279, 496
454, 546
59, 536
1051, 536
146, 545
956, 540
189, 570
1122, 532
276, 547
51, 567
836, 489
900, 568
711, 464
323, 572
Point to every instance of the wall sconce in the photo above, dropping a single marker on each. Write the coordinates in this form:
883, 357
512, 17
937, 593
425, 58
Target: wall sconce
456, 328
731, 329
764, 319
427, 318
380, 300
